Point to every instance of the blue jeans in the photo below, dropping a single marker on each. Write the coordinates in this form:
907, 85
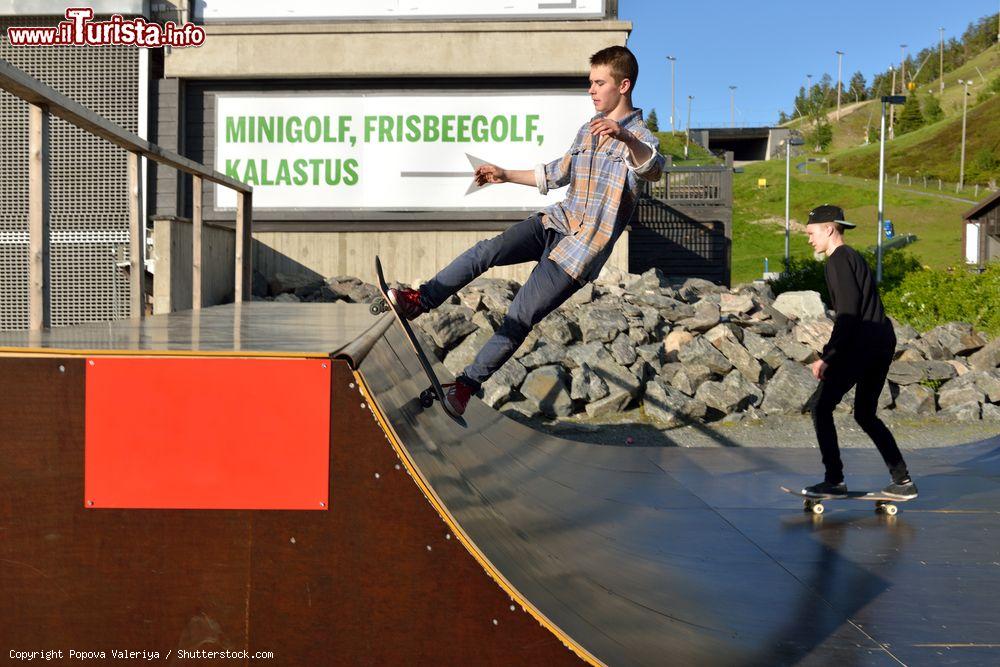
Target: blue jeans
546, 289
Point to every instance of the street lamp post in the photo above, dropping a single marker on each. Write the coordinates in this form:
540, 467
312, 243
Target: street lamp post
902, 67
791, 141
840, 57
687, 139
941, 59
732, 106
890, 100
965, 106
673, 110
892, 109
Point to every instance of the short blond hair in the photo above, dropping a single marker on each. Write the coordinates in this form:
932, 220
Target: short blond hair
620, 61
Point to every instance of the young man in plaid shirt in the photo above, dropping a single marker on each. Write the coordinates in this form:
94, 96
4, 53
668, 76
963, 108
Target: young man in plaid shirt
570, 240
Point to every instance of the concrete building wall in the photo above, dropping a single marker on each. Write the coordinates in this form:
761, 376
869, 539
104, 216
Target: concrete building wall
409, 257
402, 49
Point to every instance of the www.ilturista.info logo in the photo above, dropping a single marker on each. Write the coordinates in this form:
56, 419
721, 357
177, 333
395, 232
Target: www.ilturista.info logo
79, 30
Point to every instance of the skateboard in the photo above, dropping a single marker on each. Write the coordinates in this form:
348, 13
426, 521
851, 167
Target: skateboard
883, 504
435, 392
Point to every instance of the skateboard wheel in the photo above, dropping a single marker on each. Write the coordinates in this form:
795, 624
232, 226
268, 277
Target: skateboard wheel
890, 510
817, 508
426, 398
375, 308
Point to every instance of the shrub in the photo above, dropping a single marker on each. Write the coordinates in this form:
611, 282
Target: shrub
926, 299
809, 274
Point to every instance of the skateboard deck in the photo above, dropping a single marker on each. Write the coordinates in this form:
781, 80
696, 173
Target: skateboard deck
814, 504
435, 391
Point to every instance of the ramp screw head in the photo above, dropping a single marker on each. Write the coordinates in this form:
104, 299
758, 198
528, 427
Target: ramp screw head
322, 365
322, 504
62, 369
429, 547
363, 406
397, 465
447, 536
376, 476
91, 362
292, 540
495, 622
512, 608
90, 503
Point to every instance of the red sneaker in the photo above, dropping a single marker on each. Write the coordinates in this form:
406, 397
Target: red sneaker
456, 397
406, 302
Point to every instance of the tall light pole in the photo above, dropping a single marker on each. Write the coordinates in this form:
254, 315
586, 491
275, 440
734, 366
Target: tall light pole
732, 106
941, 59
890, 100
892, 109
791, 141
673, 110
808, 99
965, 106
840, 58
902, 67
687, 139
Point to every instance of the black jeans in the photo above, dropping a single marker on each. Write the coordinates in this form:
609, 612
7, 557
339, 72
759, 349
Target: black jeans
867, 371
546, 289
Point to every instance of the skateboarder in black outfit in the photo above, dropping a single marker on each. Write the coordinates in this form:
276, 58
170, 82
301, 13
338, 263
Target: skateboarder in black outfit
858, 355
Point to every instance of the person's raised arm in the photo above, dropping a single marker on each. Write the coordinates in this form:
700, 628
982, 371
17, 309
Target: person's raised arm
490, 173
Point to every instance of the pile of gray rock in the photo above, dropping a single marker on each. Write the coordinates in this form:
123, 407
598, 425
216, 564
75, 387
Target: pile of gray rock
692, 351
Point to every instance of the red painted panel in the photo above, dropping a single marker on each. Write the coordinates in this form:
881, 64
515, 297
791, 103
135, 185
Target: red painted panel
207, 433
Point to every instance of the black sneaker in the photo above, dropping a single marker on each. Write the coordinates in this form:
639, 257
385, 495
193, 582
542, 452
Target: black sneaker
904, 490
826, 490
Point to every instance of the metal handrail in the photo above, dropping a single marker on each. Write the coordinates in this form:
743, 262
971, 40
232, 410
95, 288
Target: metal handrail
44, 101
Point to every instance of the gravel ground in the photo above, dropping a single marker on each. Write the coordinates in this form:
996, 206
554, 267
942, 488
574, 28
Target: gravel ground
777, 431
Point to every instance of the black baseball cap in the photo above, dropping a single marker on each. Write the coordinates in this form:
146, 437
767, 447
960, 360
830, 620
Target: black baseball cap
829, 213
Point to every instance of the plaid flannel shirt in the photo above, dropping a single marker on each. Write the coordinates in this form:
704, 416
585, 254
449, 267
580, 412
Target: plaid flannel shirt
603, 194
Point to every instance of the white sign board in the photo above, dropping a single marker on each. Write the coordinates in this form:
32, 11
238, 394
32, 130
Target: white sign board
391, 151
250, 10
972, 243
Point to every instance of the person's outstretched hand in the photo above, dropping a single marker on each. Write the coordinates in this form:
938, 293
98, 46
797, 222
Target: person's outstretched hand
490, 173
607, 127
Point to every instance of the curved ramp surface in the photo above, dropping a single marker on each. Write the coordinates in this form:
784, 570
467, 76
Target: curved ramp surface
642, 556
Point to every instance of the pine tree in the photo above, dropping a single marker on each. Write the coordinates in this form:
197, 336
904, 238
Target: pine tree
910, 118
651, 121
932, 109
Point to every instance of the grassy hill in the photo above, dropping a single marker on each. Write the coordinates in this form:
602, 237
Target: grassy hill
934, 149
758, 217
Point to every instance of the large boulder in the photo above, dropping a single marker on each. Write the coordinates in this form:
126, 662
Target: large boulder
725, 339
957, 338
736, 304
988, 357
548, 387
689, 377
814, 333
953, 397
916, 399
795, 350
588, 353
695, 289
586, 385
790, 390
557, 328
763, 349
706, 315
465, 352
700, 351
667, 406
546, 354
623, 350
800, 305
502, 384
674, 341
602, 324
731, 395
447, 325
